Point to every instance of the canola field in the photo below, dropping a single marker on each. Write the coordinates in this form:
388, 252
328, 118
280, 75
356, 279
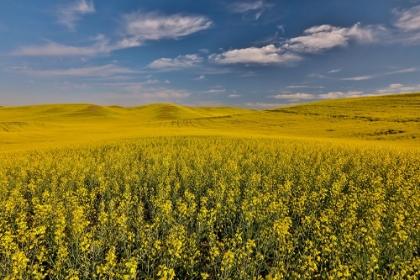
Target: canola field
210, 208
170, 202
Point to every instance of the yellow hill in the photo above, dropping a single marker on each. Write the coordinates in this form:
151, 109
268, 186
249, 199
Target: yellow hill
170, 112
392, 119
80, 112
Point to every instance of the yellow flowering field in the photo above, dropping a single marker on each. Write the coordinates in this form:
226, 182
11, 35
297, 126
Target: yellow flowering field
211, 207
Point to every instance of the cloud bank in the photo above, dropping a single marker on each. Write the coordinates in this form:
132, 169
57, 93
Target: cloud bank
324, 37
315, 40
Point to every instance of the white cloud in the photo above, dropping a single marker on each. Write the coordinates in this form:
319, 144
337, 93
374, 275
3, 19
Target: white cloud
408, 23
398, 88
216, 91
101, 46
321, 38
140, 27
407, 70
72, 13
294, 96
339, 94
94, 71
334, 71
265, 55
234, 95
409, 20
368, 77
182, 61
359, 78
201, 77
128, 43
314, 40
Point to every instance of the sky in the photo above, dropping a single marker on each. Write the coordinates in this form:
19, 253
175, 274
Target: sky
252, 54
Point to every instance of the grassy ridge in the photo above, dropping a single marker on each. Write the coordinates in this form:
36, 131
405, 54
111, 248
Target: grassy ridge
86, 112
24, 128
393, 119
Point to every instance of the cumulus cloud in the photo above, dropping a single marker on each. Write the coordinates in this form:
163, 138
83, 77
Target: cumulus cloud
140, 27
266, 55
182, 61
339, 94
316, 39
321, 38
72, 13
294, 96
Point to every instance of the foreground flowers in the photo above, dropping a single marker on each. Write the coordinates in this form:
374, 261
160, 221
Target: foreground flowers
210, 207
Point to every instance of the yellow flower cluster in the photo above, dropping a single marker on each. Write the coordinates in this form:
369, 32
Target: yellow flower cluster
211, 208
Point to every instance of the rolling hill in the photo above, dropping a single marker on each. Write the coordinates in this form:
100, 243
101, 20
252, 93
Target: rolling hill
394, 118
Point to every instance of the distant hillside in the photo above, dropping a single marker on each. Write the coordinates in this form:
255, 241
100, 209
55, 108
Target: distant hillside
391, 119
78, 112
166, 112
388, 107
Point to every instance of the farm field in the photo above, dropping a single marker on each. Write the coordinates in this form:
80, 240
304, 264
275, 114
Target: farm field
323, 190
392, 119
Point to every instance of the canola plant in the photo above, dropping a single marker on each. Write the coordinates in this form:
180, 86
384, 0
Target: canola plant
211, 207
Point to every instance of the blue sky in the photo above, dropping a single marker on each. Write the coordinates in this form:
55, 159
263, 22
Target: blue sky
255, 54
